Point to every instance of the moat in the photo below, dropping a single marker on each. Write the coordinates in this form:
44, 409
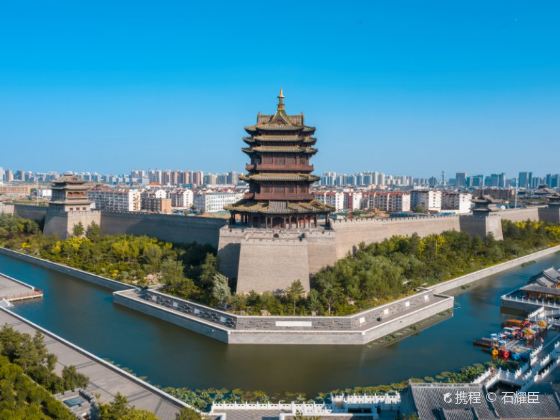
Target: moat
171, 356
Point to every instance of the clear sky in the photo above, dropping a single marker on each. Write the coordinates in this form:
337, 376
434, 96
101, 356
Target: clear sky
410, 87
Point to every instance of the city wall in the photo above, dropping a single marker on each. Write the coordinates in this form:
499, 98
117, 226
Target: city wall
7, 209
256, 256
166, 227
519, 215
36, 213
62, 224
350, 233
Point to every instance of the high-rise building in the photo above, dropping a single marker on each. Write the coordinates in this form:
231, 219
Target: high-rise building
197, 178
279, 173
232, 178
461, 179
525, 179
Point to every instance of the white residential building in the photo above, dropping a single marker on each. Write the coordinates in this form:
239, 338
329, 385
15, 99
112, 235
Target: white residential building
214, 201
331, 198
388, 201
459, 202
115, 199
352, 200
182, 198
429, 200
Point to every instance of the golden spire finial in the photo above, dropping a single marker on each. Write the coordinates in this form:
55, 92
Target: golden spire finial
281, 100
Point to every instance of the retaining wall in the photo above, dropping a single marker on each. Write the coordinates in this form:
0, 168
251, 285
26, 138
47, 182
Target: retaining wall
358, 328
495, 269
74, 272
354, 329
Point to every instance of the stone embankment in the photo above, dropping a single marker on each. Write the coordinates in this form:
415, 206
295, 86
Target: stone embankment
355, 329
105, 379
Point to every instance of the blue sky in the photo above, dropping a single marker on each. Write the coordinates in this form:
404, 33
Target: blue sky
411, 87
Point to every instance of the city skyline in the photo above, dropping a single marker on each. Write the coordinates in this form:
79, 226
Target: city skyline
400, 89
176, 177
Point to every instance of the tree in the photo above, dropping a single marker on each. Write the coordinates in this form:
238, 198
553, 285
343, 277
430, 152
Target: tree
208, 270
72, 379
78, 230
93, 232
294, 293
221, 292
119, 409
188, 414
172, 271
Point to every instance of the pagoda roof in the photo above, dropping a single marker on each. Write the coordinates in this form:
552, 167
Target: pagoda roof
279, 207
280, 120
280, 149
279, 177
279, 139
69, 179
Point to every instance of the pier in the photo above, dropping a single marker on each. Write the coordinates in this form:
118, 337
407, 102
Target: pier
12, 290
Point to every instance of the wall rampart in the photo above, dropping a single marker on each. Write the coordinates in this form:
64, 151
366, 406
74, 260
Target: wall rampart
350, 233
27, 211
166, 227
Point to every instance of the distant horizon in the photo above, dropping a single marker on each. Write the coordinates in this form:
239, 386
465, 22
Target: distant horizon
405, 88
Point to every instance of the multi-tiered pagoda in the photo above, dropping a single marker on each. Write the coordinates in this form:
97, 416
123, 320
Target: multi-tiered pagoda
279, 174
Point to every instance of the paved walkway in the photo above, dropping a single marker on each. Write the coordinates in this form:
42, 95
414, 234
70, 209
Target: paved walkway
104, 380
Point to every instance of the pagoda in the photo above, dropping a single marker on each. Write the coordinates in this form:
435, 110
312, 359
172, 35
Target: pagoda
279, 174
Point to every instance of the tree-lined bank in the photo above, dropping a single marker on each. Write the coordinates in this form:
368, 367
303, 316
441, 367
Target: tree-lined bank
373, 275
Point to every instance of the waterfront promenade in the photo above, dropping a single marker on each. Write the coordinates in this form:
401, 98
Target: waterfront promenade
105, 380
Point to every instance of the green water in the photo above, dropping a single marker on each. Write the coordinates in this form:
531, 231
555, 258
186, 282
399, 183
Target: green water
171, 356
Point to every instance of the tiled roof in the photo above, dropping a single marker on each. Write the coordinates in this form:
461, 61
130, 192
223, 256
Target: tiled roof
428, 400
282, 149
279, 177
533, 287
272, 207
548, 407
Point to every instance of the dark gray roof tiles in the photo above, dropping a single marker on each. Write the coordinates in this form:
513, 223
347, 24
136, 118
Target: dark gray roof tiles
459, 414
430, 403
